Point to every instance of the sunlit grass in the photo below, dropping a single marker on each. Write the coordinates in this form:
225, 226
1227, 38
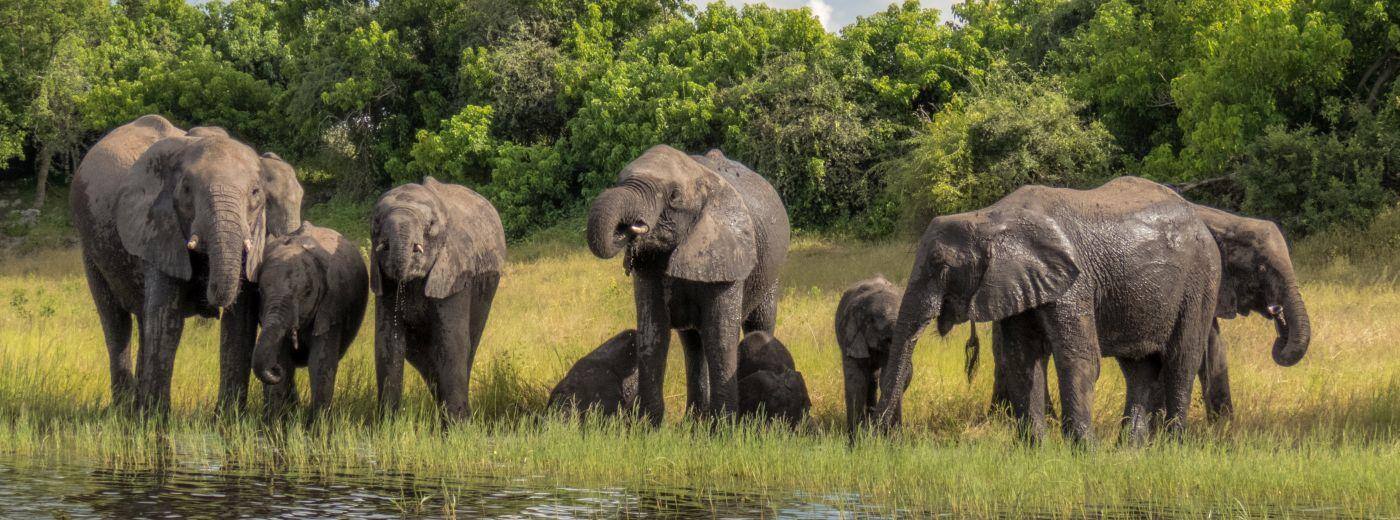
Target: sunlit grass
1321, 434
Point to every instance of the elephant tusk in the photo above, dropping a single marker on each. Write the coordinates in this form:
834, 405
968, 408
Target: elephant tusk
640, 229
248, 245
193, 243
417, 248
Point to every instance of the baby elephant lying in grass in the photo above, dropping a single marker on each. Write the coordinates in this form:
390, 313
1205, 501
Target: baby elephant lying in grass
605, 381
769, 383
314, 288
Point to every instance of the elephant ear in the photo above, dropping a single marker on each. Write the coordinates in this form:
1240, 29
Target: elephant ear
457, 257
1029, 262
257, 242
721, 246
145, 209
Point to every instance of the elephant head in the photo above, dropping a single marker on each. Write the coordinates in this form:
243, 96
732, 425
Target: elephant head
1257, 276
865, 321
284, 195
297, 275
667, 203
202, 195
981, 266
415, 238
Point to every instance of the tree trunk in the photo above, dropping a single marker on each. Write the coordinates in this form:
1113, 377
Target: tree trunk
42, 174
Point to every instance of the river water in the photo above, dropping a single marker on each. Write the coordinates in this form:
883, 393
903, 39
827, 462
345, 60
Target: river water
67, 490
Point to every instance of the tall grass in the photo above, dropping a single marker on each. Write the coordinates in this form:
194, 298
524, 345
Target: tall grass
1321, 434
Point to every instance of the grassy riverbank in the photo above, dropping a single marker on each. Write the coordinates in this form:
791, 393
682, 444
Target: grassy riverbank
1323, 434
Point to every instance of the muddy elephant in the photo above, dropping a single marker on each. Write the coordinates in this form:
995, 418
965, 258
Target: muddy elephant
436, 261
865, 320
603, 382
1256, 276
172, 224
313, 289
1124, 270
704, 239
769, 384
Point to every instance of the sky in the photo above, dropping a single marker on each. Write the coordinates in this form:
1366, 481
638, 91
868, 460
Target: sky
835, 14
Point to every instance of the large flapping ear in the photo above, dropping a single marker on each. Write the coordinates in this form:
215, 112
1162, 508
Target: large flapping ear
284, 195
721, 245
458, 256
1028, 262
147, 222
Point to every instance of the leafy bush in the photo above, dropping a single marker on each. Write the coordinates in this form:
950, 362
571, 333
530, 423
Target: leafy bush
1307, 181
1007, 134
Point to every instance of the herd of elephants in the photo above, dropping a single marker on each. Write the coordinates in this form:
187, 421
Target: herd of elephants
175, 223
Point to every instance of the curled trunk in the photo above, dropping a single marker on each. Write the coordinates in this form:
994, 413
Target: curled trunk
276, 323
1295, 330
613, 209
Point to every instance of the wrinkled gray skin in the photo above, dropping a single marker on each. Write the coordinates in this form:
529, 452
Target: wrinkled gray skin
283, 210
172, 224
865, 321
705, 239
769, 384
1123, 271
438, 254
313, 289
1256, 276
604, 381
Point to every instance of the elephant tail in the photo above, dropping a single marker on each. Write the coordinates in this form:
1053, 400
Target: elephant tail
972, 351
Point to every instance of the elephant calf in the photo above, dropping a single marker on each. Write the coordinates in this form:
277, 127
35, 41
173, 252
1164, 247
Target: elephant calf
604, 381
314, 288
769, 383
865, 320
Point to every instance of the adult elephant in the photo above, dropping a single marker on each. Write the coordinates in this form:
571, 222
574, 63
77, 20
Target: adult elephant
705, 238
172, 224
438, 254
1118, 271
1256, 276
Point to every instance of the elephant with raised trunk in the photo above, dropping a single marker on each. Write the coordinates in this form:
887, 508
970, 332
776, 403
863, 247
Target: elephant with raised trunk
1125, 270
173, 224
604, 381
313, 289
437, 259
704, 239
865, 320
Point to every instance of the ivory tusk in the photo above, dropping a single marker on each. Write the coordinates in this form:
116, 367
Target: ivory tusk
640, 229
193, 243
417, 248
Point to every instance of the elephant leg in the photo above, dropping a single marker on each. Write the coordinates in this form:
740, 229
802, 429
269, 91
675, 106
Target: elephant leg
1140, 403
765, 316
720, 334
1215, 378
322, 364
422, 361
1182, 362
1072, 334
162, 324
860, 391
390, 341
481, 308
1002, 373
697, 377
281, 398
1021, 357
653, 340
116, 331
238, 333
451, 349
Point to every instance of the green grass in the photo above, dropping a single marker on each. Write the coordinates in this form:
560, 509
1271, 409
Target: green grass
1322, 434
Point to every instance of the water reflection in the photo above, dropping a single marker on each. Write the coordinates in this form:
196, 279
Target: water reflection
75, 491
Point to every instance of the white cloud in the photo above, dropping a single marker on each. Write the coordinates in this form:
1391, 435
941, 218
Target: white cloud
835, 14
823, 12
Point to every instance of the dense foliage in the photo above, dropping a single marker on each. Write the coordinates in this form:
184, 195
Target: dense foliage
1287, 109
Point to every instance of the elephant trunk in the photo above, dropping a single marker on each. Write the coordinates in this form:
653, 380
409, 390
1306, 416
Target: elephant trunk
610, 219
922, 302
276, 322
227, 245
1295, 331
